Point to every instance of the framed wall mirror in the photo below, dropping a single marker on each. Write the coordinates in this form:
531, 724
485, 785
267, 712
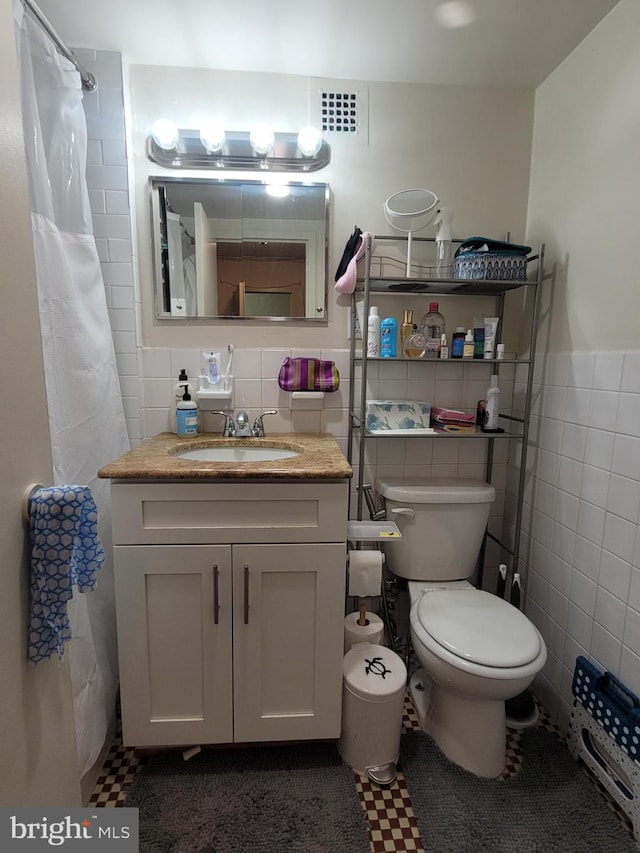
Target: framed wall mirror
239, 249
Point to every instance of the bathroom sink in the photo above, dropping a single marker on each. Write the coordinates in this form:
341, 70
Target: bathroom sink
237, 453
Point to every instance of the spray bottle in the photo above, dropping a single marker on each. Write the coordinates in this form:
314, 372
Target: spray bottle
492, 407
444, 246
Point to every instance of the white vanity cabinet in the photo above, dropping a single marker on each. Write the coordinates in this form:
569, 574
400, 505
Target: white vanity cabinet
230, 608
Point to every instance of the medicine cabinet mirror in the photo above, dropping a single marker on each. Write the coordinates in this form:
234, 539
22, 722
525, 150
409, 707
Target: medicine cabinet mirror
234, 249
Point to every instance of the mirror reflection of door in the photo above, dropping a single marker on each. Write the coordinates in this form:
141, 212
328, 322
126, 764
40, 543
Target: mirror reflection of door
261, 279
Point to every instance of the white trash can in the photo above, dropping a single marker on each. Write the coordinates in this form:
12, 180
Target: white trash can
373, 691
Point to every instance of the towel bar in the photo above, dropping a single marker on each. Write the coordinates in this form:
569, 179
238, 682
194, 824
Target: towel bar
29, 492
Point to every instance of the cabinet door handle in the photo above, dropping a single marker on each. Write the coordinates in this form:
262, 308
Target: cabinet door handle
216, 595
246, 595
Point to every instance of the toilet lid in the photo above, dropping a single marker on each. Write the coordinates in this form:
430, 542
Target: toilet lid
478, 627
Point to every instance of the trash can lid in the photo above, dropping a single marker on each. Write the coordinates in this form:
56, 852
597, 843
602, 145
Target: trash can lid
374, 672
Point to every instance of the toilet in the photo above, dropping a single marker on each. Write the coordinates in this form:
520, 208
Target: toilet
476, 650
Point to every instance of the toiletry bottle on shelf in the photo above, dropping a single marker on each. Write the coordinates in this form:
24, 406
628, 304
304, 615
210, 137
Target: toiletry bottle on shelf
388, 336
414, 346
457, 342
500, 352
492, 406
443, 352
406, 328
467, 351
373, 332
444, 246
433, 329
187, 414
478, 337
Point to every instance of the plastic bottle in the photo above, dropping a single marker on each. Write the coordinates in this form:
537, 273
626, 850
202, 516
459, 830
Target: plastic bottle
373, 332
492, 405
467, 351
478, 337
444, 246
457, 342
433, 326
178, 391
388, 337
187, 414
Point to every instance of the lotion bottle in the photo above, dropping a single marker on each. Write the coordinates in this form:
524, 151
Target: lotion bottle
187, 414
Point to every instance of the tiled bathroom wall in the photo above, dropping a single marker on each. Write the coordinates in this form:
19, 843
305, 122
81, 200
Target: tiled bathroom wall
108, 181
582, 517
256, 389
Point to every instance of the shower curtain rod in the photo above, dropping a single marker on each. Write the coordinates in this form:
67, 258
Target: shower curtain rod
89, 82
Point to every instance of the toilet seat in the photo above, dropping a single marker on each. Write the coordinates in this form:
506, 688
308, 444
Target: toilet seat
476, 627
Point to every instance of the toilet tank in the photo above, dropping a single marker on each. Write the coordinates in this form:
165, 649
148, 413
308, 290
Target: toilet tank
442, 522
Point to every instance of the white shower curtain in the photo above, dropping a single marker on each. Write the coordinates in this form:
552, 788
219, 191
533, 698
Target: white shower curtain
86, 418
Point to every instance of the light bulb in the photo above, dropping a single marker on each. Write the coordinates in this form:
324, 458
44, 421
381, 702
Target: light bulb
309, 141
165, 134
212, 137
262, 139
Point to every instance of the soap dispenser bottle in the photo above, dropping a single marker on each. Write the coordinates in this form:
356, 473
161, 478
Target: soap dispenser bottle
187, 414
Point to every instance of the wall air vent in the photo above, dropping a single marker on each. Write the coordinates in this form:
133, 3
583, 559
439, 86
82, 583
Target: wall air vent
342, 111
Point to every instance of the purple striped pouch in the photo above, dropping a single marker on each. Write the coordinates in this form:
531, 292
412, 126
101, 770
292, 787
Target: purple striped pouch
308, 374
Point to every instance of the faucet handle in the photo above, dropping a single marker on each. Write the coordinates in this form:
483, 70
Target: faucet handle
258, 424
229, 429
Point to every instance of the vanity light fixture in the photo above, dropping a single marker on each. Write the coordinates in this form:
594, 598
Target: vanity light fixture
211, 147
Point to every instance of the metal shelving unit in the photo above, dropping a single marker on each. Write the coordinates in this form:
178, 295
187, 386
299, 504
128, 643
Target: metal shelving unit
516, 426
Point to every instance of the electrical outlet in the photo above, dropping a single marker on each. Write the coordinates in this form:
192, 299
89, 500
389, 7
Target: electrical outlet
349, 321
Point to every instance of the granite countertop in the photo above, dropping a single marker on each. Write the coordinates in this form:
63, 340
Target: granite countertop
155, 459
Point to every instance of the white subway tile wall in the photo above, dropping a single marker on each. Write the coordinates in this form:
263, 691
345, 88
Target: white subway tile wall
107, 179
581, 539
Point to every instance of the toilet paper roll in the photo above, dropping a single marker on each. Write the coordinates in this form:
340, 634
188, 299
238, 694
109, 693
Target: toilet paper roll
369, 633
365, 573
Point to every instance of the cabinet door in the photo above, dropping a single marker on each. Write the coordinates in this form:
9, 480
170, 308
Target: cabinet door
174, 641
288, 641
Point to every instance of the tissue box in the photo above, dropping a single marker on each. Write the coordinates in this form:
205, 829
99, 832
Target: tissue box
398, 417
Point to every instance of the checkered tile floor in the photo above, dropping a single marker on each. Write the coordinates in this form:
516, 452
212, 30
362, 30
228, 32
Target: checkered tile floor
392, 823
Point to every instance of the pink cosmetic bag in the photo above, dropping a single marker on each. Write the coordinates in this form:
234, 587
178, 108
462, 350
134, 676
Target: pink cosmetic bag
308, 374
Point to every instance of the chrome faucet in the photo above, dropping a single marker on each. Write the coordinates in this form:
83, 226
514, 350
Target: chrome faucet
240, 427
243, 430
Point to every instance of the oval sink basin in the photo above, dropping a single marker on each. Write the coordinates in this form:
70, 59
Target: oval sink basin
236, 453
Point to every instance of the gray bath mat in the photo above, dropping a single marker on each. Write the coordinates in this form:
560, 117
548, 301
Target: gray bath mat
298, 798
551, 806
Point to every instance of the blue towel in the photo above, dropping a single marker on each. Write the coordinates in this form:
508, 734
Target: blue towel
65, 553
